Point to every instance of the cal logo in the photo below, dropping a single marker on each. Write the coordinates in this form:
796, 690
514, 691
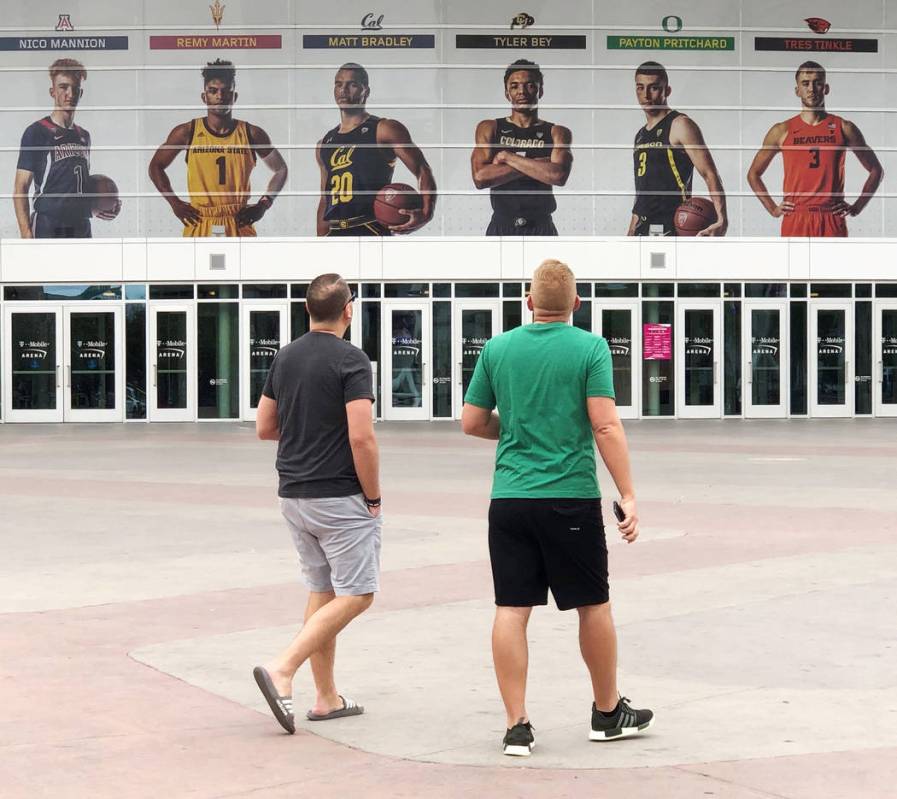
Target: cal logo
342, 157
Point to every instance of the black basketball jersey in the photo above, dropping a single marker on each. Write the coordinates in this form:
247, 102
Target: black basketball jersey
59, 160
662, 173
356, 169
523, 197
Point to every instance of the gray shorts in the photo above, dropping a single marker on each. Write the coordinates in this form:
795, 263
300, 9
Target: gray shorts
338, 542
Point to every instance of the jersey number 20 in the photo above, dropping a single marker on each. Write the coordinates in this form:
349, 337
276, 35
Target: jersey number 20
341, 188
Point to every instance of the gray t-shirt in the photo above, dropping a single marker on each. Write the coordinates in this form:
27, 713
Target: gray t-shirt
312, 379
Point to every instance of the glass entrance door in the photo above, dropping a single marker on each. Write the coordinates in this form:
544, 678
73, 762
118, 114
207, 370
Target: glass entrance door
265, 331
699, 345
32, 379
475, 322
831, 367
619, 323
93, 365
405, 360
765, 376
885, 359
172, 352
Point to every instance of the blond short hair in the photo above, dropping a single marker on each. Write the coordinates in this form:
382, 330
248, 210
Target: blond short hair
553, 287
68, 66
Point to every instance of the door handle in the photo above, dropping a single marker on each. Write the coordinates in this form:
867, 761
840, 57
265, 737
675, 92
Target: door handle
881, 373
58, 384
715, 372
155, 375
750, 371
846, 373
460, 373
69, 376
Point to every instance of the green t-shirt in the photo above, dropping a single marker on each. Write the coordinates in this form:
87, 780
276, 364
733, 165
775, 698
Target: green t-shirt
538, 376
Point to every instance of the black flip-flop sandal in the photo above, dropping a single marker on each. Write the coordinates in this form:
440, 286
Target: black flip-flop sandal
281, 706
350, 708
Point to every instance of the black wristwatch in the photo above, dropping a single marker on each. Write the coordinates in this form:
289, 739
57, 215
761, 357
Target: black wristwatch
373, 503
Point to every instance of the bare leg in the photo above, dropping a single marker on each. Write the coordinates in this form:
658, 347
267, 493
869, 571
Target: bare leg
326, 698
598, 644
511, 656
319, 631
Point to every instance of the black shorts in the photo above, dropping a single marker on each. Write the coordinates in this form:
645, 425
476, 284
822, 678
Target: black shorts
521, 226
537, 544
371, 227
48, 227
643, 226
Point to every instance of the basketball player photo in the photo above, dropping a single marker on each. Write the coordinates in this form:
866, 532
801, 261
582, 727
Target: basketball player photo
668, 149
220, 152
520, 158
812, 145
357, 158
54, 157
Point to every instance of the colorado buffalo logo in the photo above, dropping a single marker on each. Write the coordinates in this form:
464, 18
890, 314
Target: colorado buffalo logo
818, 24
522, 20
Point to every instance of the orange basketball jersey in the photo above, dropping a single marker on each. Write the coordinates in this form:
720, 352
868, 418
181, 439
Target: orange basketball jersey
814, 163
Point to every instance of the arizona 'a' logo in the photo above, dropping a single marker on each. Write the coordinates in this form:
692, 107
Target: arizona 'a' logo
65, 23
217, 13
818, 24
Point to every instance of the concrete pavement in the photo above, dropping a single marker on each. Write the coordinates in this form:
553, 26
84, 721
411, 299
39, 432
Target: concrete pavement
146, 570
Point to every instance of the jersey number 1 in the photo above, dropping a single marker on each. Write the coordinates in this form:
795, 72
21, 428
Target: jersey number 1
222, 174
341, 188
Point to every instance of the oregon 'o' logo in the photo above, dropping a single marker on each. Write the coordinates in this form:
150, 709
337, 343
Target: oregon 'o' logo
671, 23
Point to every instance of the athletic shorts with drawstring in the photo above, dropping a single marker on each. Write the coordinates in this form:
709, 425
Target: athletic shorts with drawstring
541, 544
338, 542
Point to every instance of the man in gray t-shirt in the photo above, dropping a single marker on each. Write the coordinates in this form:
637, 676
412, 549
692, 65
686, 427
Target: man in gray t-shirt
316, 404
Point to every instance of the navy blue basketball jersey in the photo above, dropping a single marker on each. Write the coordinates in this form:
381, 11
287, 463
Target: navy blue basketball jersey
356, 169
524, 196
663, 173
59, 159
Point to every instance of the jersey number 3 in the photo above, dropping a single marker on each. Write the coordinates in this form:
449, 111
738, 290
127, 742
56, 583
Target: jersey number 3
642, 163
341, 188
814, 158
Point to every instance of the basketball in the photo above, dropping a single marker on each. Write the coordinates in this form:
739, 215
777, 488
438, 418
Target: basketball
392, 198
693, 216
103, 194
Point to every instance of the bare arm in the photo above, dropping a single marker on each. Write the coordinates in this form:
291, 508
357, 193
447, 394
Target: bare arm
867, 157
391, 133
21, 203
633, 224
480, 422
686, 134
177, 142
321, 225
553, 171
267, 426
611, 440
772, 145
272, 158
487, 174
365, 454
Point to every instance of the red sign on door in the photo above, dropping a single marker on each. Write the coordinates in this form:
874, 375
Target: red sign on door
657, 342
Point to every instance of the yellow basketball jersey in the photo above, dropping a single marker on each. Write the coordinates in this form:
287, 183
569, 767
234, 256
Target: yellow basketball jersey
218, 167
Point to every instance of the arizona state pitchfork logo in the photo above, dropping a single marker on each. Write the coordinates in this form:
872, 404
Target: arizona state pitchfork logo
217, 12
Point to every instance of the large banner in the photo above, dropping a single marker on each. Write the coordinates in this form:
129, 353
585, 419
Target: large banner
453, 118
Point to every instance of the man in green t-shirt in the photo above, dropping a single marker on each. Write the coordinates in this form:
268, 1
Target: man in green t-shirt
552, 385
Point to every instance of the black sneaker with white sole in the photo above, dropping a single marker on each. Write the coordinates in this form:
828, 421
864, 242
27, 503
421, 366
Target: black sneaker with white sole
624, 723
519, 740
